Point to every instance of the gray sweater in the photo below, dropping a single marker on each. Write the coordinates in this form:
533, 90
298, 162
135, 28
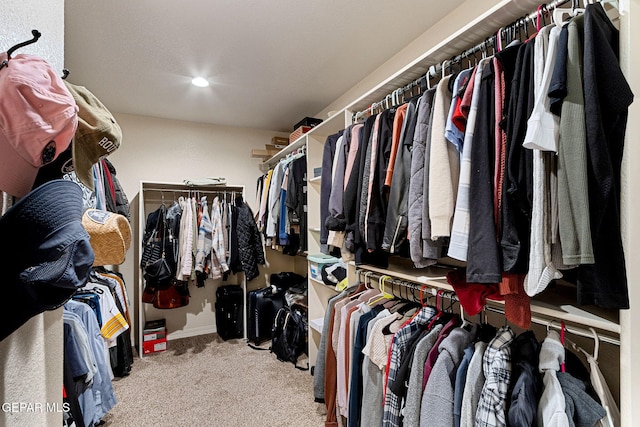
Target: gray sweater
414, 391
437, 400
416, 200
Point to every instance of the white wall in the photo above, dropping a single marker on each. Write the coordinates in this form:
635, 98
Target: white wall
171, 151
31, 358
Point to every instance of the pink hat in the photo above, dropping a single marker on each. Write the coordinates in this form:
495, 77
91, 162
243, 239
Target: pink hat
38, 118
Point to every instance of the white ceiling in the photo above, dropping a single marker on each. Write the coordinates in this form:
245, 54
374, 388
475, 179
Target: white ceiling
271, 63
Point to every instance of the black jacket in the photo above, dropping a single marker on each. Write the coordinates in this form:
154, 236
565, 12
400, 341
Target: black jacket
249, 242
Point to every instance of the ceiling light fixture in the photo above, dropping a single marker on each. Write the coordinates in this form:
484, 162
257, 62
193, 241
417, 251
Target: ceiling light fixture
200, 82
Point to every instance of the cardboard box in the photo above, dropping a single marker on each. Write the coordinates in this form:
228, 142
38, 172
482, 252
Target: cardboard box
298, 133
280, 140
155, 346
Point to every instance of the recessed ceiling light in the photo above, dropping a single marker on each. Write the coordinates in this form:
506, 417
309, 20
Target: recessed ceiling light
200, 82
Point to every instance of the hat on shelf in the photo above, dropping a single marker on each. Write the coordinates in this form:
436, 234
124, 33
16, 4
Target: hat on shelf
110, 236
98, 133
46, 255
38, 118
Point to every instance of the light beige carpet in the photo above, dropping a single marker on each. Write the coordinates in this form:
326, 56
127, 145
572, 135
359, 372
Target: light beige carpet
204, 381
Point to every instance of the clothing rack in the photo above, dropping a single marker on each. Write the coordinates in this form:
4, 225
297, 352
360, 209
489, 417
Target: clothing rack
195, 191
386, 279
491, 306
495, 40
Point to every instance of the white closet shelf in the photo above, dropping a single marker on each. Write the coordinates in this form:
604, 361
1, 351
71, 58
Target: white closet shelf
316, 324
315, 179
320, 282
315, 229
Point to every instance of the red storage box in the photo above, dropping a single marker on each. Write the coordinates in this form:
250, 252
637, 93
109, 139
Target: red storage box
298, 133
154, 346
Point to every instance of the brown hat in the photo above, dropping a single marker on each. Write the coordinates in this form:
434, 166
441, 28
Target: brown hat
110, 236
97, 136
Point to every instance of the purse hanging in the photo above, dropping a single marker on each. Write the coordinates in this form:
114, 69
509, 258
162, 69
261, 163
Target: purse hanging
156, 272
154, 245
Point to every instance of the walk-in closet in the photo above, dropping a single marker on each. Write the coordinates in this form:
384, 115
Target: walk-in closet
319, 214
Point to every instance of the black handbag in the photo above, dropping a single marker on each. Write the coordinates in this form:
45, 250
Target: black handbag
156, 272
154, 240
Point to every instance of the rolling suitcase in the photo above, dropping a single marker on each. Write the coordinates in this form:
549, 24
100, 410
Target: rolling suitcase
262, 304
229, 312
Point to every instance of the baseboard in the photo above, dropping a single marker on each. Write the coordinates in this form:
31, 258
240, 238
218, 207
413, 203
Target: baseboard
191, 332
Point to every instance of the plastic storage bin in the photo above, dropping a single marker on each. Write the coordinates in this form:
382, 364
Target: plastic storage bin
317, 261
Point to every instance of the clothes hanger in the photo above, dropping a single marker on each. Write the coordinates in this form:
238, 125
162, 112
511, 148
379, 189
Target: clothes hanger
498, 40
439, 313
539, 18
443, 67
430, 73
560, 13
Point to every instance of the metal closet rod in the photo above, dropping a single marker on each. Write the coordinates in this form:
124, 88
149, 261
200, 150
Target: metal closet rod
549, 323
554, 323
195, 189
436, 69
433, 290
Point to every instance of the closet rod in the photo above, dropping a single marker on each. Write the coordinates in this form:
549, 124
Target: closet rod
433, 290
575, 330
195, 189
436, 69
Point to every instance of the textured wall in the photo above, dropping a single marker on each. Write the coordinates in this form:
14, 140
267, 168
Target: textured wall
31, 358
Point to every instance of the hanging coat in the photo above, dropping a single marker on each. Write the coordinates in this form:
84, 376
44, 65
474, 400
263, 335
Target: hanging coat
249, 242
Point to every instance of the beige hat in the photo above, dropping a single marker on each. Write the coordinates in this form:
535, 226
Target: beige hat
97, 136
110, 236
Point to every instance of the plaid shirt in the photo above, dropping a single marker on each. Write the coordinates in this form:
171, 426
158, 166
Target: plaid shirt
496, 365
391, 411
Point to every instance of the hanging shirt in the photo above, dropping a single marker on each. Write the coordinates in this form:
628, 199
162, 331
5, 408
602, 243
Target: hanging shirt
573, 192
413, 401
605, 283
459, 242
419, 256
497, 371
391, 411
542, 134
219, 251
473, 386
202, 262
453, 134
103, 390
443, 168
551, 408
395, 232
